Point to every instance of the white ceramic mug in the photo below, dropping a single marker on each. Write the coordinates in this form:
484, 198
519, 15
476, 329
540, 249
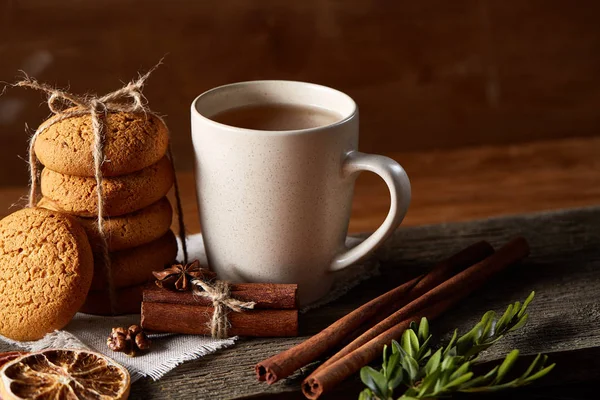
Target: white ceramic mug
275, 205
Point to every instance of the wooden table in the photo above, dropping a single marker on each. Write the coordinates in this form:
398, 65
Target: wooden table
456, 185
563, 269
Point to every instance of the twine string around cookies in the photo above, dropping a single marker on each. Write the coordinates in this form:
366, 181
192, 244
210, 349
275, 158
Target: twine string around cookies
219, 293
66, 105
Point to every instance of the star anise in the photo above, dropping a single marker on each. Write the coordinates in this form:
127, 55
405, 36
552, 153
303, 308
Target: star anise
177, 277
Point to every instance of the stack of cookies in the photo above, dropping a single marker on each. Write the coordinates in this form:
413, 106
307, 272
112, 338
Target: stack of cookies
136, 178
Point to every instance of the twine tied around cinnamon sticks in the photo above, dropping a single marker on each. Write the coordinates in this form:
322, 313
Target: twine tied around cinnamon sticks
219, 294
66, 105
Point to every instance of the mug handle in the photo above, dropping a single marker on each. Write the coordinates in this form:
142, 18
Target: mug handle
397, 181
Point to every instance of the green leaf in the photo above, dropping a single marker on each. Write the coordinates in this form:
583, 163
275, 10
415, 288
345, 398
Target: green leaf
516, 309
410, 393
395, 346
414, 342
428, 383
405, 342
480, 380
434, 362
384, 356
465, 342
424, 351
385, 360
367, 378
540, 373
528, 300
366, 395
448, 363
485, 389
460, 371
439, 383
488, 330
451, 343
375, 381
413, 326
520, 324
506, 317
396, 378
458, 381
410, 342
492, 372
424, 330
411, 367
506, 365
538, 362
393, 366
487, 322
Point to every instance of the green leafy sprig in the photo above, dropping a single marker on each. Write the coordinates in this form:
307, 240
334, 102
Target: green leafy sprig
411, 365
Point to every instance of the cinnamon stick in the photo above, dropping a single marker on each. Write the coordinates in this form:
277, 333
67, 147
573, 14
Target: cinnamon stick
368, 346
315, 385
285, 363
265, 295
192, 319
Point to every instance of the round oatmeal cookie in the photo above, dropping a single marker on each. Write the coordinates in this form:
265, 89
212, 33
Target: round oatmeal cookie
46, 268
122, 194
126, 231
134, 266
128, 301
133, 141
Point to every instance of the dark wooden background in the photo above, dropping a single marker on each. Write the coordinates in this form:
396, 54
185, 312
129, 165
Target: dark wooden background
432, 74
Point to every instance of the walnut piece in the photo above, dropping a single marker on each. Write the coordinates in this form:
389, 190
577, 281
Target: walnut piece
128, 341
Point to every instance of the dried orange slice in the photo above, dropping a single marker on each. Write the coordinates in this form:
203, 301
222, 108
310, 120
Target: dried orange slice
9, 356
64, 374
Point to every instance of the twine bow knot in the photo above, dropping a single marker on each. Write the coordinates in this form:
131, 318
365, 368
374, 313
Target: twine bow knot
127, 99
66, 105
222, 301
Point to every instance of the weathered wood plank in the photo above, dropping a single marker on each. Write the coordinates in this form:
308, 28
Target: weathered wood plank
564, 269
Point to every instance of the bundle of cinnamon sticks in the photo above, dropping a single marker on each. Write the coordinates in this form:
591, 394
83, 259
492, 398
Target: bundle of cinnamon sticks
275, 312
385, 318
